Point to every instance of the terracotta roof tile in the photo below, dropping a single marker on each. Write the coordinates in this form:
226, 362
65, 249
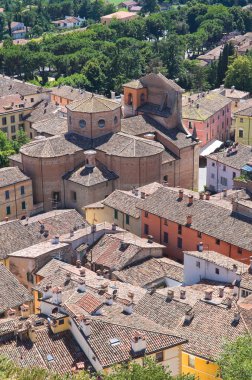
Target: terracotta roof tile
11, 175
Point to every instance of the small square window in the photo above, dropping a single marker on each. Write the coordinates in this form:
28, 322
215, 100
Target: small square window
166, 238
8, 210
199, 234
13, 129
12, 119
146, 229
146, 214
224, 168
74, 196
166, 222
7, 194
22, 190
217, 241
212, 175
213, 164
217, 271
198, 264
179, 229
23, 205
191, 361
241, 120
234, 175
61, 322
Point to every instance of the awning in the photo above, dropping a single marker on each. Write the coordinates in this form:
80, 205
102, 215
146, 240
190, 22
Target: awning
247, 168
210, 147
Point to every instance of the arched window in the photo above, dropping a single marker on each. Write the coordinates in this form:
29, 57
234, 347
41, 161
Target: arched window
142, 98
82, 123
115, 120
129, 99
101, 123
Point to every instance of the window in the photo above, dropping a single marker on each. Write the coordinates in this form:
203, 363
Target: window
190, 125
115, 120
23, 205
32, 100
198, 264
217, 241
74, 196
12, 119
213, 164
101, 123
56, 196
159, 357
241, 120
224, 168
5, 130
82, 123
127, 219
130, 99
61, 322
21, 127
22, 190
241, 133
223, 181
166, 238
217, 271
212, 175
13, 129
245, 293
234, 175
4, 121
7, 194
29, 277
20, 117
146, 229
165, 178
179, 242
8, 210
179, 229
239, 250
146, 214
166, 222
191, 361
199, 234
115, 214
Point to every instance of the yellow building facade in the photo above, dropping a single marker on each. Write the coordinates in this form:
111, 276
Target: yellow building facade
13, 119
243, 126
202, 369
16, 196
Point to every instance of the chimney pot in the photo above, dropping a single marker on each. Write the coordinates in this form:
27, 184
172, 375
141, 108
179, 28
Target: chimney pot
224, 193
142, 194
208, 294
189, 220
138, 343
150, 239
237, 317
221, 291
207, 195
78, 264
181, 194
201, 195
170, 295
182, 294
82, 272
188, 316
190, 199
229, 302
114, 227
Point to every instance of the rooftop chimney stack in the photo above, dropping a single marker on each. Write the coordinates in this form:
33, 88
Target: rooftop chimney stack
142, 194
57, 296
221, 291
85, 325
237, 317
138, 343
201, 195
229, 302
170, 295
128, 307
181, 194
208, 294
224, 193
114, 227
82, 272
78, 264
207, 196
189, 220
188, 317
150, 239
81, 285
182, 294
55, 240
190, 199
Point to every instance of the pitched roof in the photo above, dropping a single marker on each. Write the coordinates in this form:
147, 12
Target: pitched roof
93, 104
55, 146
245, 112
225, 225
43, 111
14, 103
220, 260
13, 294
52, 126
136, 84
87, 176
70, 93
37, 250
151, 270
10, 86
123, 145
119, 15
11, 175
236, 160
125, 202
107, 354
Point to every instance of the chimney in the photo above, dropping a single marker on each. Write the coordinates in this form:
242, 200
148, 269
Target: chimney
189, 220
225, 193
11, 313
6, 219
150, 239
208, 294
55, 240
190, 199
32, 334
85, 325
90, 158
81, 285
128, 307
114, 227
197, 105
188, 317
138, 343
68, 278
82, 272
207, 195
104, 287
180, 194
57, 295
109, 299
42, 228
142, 194
78, 264
131, 295
182, 294
71, 234
232, 88
170, 295
222, 87
201, 195
229, 302
136, 192
112, 93
25, 311
221, 291
237, 317
200, 247
47, 293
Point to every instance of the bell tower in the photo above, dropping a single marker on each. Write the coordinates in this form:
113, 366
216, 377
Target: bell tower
135, 95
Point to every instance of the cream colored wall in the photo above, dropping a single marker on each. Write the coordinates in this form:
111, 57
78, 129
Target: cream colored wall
15, 200
17, 123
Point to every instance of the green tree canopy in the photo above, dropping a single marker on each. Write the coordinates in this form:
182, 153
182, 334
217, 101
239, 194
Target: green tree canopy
239, 74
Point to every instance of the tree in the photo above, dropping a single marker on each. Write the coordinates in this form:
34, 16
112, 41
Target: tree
235, 361
6, 149
149, 371
21, 139
239, 74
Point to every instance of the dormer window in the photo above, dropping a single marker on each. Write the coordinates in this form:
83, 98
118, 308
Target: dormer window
82, 123
101, 123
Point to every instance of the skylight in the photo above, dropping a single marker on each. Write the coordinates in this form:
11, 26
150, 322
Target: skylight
49, 358
114, 342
